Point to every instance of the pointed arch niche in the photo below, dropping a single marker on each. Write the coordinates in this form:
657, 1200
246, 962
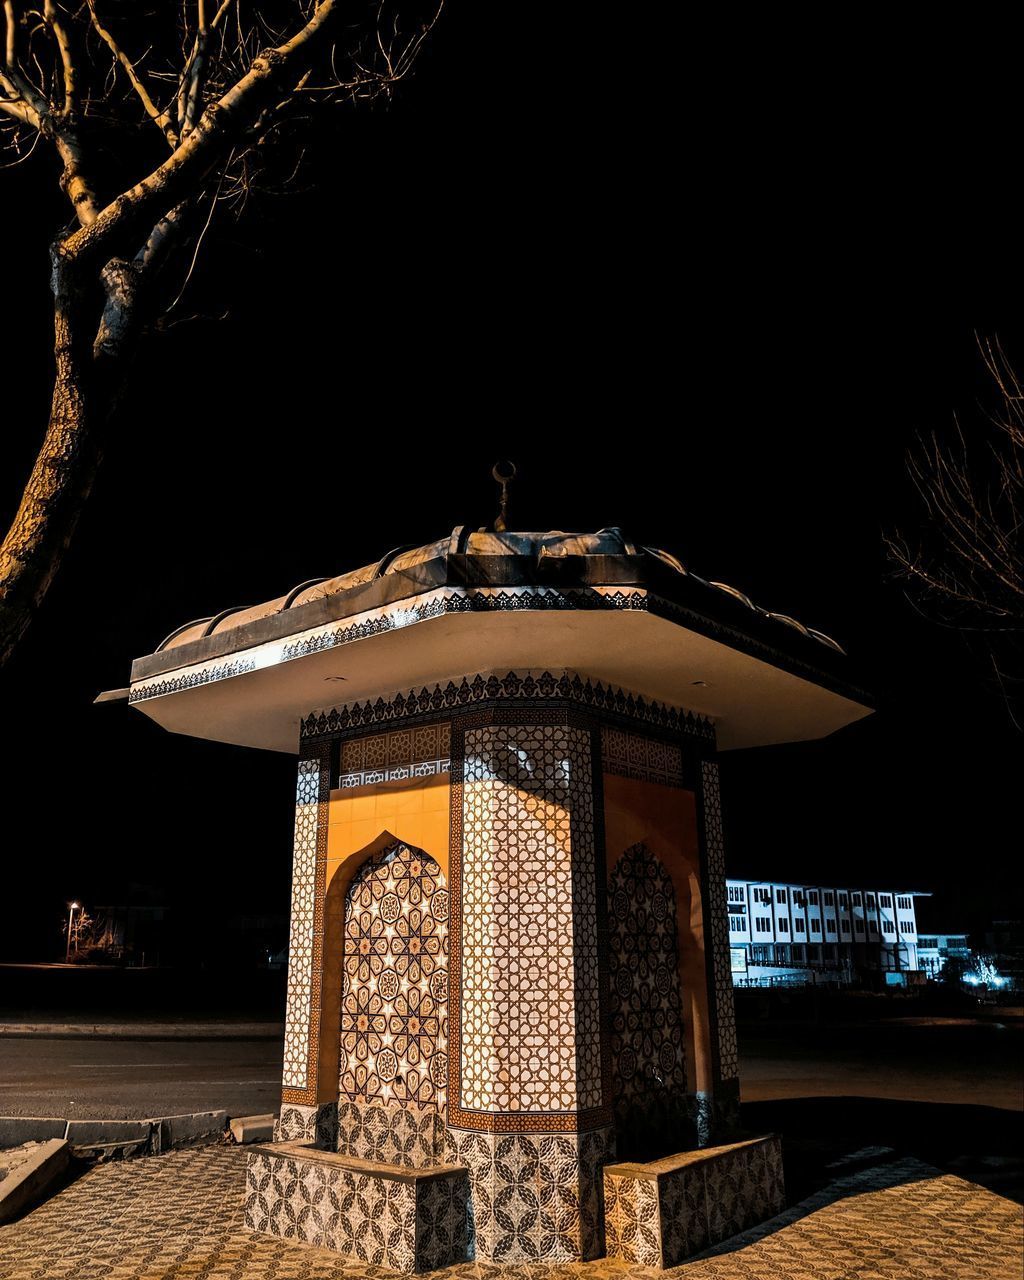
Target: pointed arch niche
660, 1048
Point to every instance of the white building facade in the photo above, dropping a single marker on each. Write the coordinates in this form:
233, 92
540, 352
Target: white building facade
934, 950
783, 934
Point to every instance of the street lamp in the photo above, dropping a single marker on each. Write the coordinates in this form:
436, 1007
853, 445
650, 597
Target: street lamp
74, 906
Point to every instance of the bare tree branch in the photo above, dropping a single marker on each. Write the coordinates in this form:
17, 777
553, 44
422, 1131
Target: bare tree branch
965, 569
161, 119
233, 102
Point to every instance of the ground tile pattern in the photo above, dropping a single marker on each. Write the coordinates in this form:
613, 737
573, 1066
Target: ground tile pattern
179, 1217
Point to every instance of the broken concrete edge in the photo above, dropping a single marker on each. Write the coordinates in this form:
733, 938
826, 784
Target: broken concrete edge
246, 1129
26, 1185
151, 1135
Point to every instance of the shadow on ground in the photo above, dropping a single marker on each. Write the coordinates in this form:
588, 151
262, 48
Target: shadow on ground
981, 1144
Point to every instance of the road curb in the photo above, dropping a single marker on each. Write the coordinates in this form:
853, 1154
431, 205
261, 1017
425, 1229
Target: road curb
21, 1189
105, 1139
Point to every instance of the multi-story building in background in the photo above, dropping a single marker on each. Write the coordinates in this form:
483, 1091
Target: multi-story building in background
792, 934
934, 949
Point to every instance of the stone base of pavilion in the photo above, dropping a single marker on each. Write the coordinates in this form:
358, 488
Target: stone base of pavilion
661, 1213
420, 1219
384, 1215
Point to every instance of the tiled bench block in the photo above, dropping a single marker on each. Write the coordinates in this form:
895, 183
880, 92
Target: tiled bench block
383, 1215
657, 1214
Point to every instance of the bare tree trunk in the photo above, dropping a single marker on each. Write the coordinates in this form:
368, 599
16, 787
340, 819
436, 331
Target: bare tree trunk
61, 479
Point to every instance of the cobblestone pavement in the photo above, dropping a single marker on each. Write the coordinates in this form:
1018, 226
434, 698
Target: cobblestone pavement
179, 1217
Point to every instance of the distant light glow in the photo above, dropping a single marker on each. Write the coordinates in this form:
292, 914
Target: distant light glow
984, 974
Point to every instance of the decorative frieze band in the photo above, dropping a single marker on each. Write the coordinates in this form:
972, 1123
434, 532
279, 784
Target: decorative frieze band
418, 751
531, 686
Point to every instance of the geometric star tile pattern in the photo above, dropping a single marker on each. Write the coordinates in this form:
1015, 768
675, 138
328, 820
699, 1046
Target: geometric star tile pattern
648, 1064
530, 991
632, 756
179, 1216
717, 918
300, 945
394, 1005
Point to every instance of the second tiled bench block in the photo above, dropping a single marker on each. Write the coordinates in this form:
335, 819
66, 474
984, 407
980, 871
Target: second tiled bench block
660, 1213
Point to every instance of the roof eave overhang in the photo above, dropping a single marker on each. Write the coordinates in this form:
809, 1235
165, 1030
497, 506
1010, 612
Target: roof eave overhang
680, 598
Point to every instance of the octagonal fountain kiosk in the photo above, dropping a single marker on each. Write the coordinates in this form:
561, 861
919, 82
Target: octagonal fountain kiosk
509, 1025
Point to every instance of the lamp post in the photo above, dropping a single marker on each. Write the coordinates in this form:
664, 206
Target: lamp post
74, 906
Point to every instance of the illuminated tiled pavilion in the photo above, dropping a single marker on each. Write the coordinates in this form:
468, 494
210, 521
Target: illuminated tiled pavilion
509, 963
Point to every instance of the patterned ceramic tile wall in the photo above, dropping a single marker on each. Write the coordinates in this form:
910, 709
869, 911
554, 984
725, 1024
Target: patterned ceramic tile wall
392, 1133
530, 988
632, 755
302, 1015
534, 1197
394, 1006
405, 1224
418, 751
717, 917
659, 1215
647, 1046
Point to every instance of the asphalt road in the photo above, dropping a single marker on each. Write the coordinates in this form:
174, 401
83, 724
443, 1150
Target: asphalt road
923, 1060
132, 1079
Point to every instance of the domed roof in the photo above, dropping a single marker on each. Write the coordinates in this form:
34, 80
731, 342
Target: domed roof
479, 544
618, 612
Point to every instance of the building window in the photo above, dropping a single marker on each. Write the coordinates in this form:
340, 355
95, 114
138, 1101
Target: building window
799, 926
780, 896
799, 953
830, 926
762, 895
815, 926
763, 923
844, 901
814, 954
846, 926
869, 900
830, 899
872, 926
812, 897
907, 926
799, 898
856, 899
884, 900
783, 926
859, 925
737, 924
736, 893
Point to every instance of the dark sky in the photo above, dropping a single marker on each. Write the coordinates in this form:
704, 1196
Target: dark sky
690, 287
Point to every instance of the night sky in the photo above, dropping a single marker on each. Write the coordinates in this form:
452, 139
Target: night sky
703, 299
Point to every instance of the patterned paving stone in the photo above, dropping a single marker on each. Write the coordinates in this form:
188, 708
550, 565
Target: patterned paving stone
179, 1217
